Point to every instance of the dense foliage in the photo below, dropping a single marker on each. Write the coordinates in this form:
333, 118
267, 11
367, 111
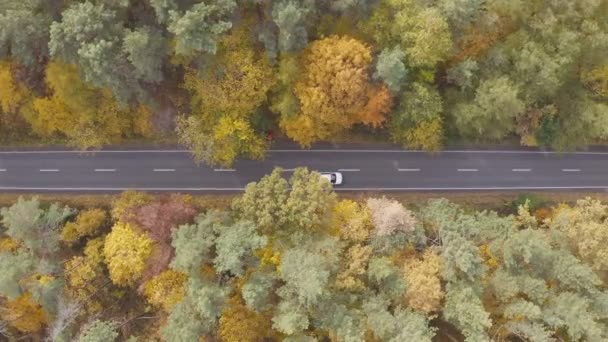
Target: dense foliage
216, 75
290, 261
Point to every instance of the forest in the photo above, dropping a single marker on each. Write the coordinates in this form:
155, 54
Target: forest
289, 260
217, 75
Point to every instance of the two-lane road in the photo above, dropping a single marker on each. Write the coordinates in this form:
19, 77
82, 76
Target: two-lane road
363, 169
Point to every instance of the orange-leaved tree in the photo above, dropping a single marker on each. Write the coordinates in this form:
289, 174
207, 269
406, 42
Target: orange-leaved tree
24, 314
239, 323
335, 91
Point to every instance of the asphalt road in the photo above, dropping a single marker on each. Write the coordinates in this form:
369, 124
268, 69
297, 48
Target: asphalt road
363, 169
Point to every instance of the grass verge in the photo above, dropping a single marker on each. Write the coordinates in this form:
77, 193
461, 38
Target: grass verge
221, 201
491, 200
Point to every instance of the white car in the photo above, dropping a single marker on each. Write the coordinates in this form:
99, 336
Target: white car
334, 178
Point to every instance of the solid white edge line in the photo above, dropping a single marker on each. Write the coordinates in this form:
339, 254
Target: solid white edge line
319, 150
49, 170
224, 170
115, 189
571, 170
349, 170
164, 170
408, 170
105, 170
604, 187
93, 152
440, 152
467, 170
521, 170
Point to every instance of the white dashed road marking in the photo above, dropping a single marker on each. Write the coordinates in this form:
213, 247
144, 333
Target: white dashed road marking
349, 170
2, 170
105, 170
49, 170
224, 170
164, 170
571, 170
408, 170
521, 170
467, 170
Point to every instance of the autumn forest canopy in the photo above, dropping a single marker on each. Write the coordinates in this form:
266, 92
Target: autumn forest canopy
215, 75
288, 260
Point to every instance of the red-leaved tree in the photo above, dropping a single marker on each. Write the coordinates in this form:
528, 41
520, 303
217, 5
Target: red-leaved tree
158, 219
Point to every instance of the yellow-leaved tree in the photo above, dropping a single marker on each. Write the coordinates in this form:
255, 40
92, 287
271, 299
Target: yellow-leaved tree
24, 314
224, 98
123, 206
234, 135
126, 252
352, 222
426, 135
240, 324
88, 117
8, 244
88, 223
597, 80
335, 91
166, 289
424, 292
12, 94
14, 97
585, 228
354, 267
237, 81
85, 277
